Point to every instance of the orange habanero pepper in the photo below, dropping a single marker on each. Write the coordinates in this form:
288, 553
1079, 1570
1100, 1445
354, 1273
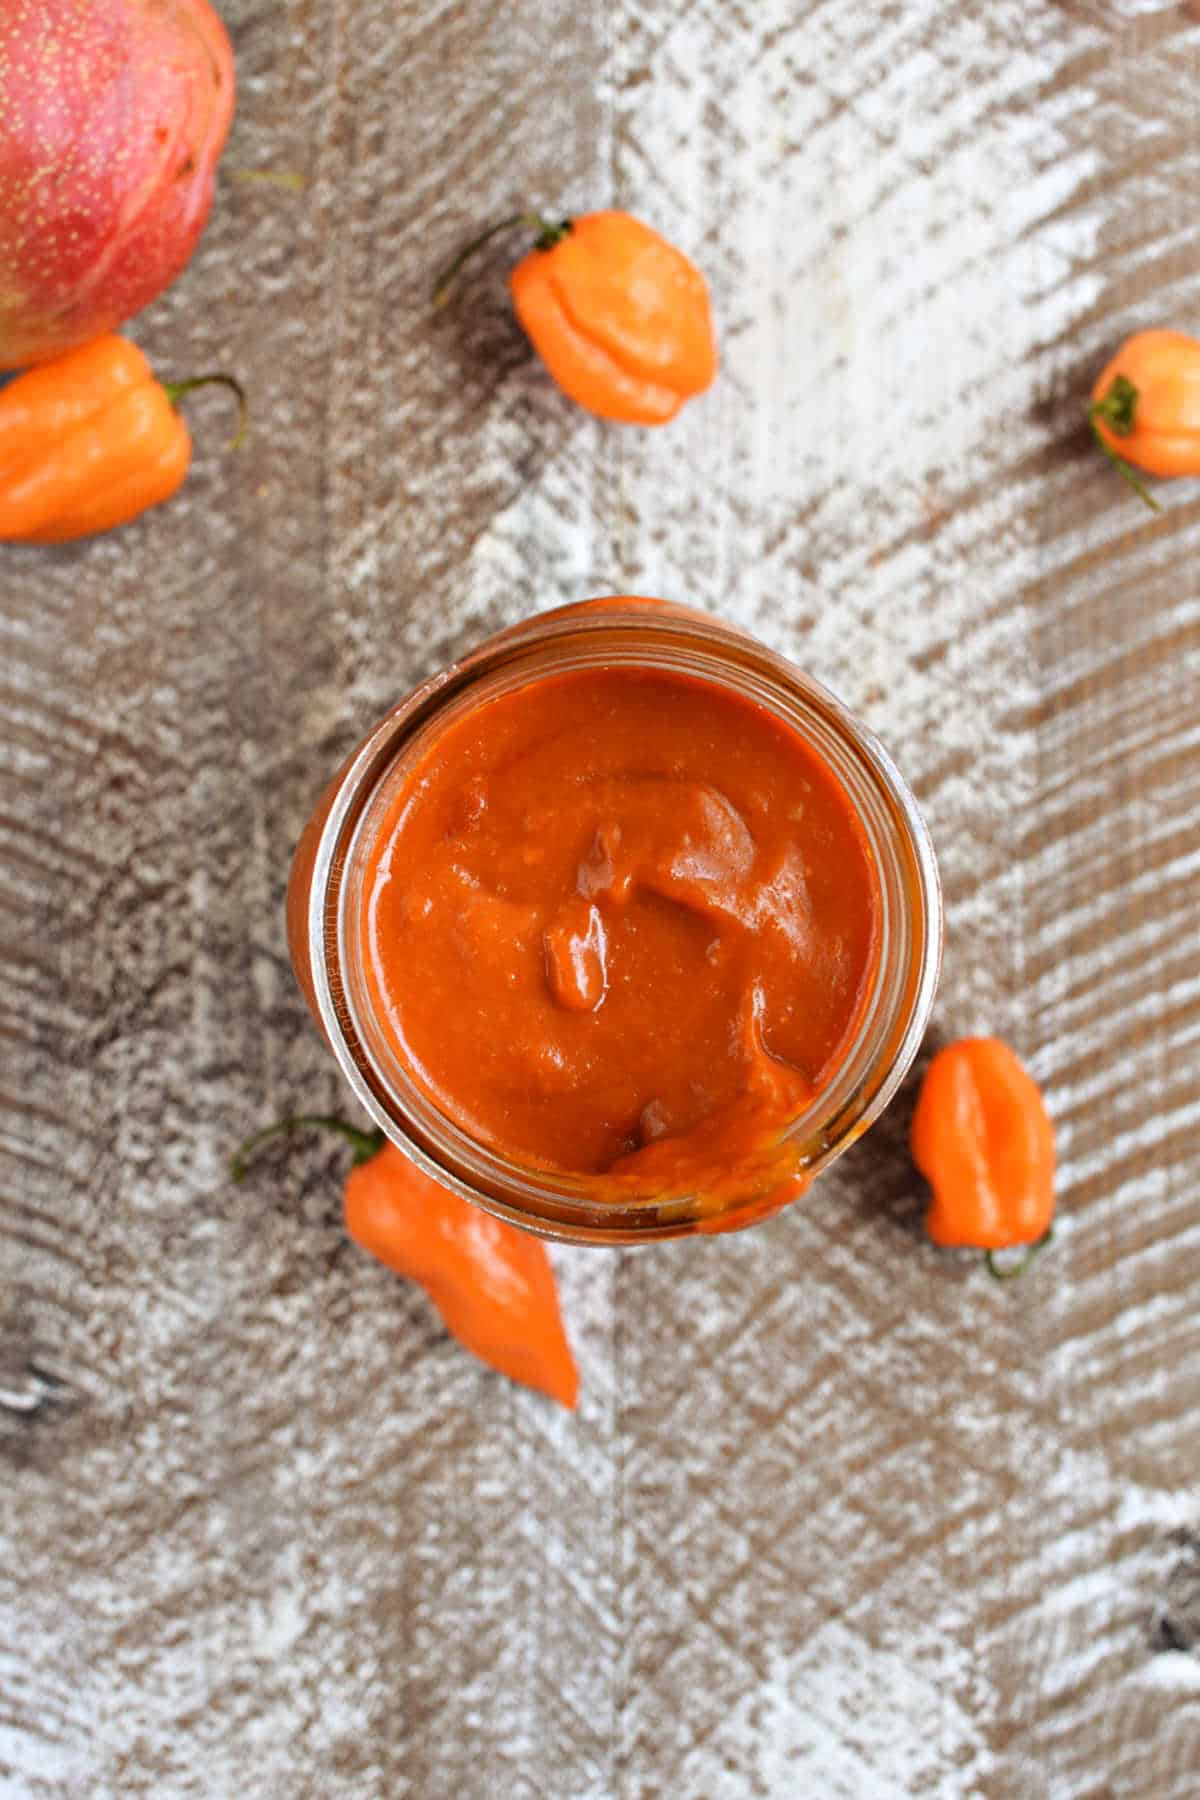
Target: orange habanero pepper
491, 1282
1145, 407
982, 1138
619, 316
89, 441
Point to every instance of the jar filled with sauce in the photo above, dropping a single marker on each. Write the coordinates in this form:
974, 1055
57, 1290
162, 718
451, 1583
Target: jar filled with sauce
622, 926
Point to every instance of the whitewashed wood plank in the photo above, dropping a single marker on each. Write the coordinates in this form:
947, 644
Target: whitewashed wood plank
837, 1515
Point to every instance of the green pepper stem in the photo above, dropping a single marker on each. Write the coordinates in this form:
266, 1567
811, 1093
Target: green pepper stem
1010, 1271
291, 180
175, 390
1122, 467
1117, 406
548, 234
1117, 409
365, 1143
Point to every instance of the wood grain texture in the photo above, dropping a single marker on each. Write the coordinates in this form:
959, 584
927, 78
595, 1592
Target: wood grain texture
837, 1517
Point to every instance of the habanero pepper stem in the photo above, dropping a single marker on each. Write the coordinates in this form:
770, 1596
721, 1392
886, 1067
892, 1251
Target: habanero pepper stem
175, 391
1116, 408
363, 1143
1010, 1271
548, 232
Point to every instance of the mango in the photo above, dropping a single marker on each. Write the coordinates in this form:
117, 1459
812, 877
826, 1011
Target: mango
112, 116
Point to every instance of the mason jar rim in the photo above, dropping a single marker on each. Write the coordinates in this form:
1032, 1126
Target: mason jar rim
624, 630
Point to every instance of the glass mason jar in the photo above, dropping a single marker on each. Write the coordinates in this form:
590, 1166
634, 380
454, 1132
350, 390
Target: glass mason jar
325, 896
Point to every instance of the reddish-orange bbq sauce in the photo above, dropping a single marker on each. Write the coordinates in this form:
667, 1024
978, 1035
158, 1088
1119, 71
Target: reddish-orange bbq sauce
621, 922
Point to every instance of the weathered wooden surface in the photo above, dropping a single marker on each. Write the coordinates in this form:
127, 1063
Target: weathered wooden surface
838, 1517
